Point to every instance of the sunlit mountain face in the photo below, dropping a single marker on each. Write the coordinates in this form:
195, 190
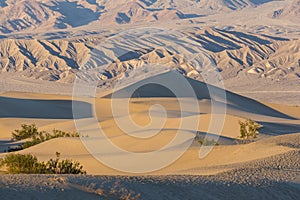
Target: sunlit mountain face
253, 40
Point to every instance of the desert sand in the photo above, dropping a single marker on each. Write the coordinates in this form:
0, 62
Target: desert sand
268, 165
281, 123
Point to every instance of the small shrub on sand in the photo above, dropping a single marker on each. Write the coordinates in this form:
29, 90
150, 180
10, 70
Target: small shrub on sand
26, 131
207, 142
29, 164
20, 164
34, 136
249, 129
55, 166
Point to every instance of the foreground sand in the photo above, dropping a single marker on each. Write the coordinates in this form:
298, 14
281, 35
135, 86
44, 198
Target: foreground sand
277, 177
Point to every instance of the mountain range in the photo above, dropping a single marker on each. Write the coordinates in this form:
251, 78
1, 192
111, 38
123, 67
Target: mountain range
249, 41
233, 52
50, 15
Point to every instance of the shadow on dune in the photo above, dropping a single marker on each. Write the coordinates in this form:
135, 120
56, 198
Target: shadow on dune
279, 128
149, 88
222, 140
6, 145
42, 109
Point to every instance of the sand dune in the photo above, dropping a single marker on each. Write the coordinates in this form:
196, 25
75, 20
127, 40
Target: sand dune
203, 91
227, 156
221, 159
273, 158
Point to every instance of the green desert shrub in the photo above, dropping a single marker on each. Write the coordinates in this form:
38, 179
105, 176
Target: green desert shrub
249, 129
59, 133
20, 164
55, 166
28, 144
29, 164
207, 142
34, 137
26, 131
